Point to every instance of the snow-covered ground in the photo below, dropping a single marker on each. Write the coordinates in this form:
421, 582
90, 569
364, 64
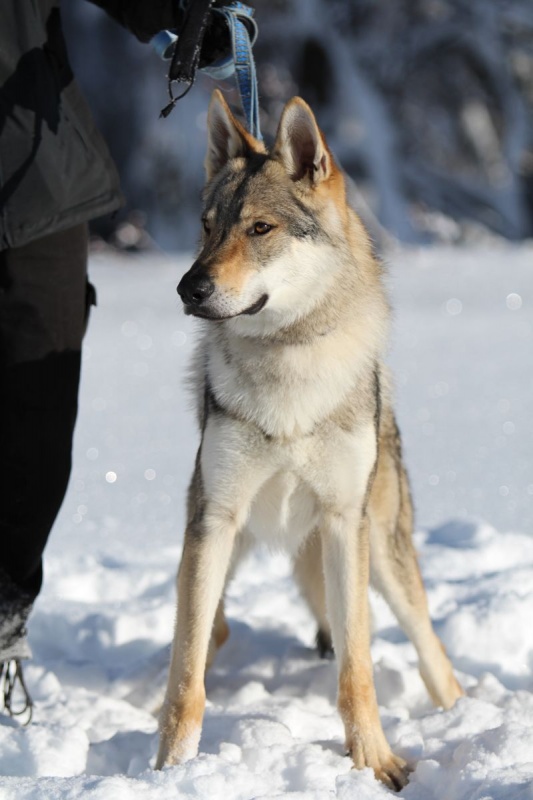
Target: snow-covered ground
462, 354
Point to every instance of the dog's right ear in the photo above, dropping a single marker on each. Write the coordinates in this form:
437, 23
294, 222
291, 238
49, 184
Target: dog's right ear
226, 137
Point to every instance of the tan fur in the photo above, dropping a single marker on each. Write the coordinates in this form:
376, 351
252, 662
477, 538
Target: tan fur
220, 627
220, 117
231, 270
299, 445
309, 575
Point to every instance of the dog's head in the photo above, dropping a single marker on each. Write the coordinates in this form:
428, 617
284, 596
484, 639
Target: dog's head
271, 222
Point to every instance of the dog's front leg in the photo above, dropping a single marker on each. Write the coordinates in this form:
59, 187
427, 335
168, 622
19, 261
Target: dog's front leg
345, 547
231, 466
206, 556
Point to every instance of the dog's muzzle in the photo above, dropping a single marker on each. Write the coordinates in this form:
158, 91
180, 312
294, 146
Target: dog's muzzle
195, 288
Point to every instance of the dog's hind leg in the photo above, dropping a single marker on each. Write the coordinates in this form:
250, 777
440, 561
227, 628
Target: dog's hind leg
396, 575
221, 632
309, 575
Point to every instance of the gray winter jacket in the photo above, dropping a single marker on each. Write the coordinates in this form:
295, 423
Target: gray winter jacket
55, 170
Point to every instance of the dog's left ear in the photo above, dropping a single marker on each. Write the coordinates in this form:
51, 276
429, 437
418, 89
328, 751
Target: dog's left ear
226, 137
300, 145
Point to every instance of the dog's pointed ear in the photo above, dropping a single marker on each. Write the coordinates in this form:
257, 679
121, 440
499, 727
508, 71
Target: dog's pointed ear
300, 146
226, 137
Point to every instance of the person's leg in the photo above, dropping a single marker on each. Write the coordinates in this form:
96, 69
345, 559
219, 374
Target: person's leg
43, 307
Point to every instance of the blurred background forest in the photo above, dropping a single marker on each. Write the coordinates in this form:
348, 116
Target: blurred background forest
427, 104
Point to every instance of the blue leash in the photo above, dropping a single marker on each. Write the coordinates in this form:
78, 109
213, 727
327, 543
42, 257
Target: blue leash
243, 33
243, 61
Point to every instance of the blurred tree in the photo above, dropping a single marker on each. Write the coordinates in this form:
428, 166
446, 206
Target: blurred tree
427, 104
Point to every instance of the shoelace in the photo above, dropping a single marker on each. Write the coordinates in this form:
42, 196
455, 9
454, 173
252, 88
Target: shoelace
11, 672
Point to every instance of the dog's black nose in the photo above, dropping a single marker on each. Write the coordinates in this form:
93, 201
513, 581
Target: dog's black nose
194, 289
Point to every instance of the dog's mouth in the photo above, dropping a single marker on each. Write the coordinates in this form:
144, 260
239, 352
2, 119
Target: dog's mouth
256, 307
198, 311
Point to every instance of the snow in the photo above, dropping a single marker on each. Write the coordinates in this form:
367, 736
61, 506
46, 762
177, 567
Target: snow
100, 632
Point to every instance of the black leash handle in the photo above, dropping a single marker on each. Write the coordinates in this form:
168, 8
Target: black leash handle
188, 48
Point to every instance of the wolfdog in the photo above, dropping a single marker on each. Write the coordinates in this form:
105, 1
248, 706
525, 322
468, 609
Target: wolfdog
299, 444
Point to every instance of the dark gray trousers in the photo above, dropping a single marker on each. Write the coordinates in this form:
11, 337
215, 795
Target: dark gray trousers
44, 301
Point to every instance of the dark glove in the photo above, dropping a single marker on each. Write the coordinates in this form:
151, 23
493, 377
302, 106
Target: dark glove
204, 37
144, 18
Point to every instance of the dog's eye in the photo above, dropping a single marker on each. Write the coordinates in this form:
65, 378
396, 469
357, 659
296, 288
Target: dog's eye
260, 228
207, 228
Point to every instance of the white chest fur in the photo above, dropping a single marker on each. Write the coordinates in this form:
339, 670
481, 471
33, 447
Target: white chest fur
286, 390
283, 512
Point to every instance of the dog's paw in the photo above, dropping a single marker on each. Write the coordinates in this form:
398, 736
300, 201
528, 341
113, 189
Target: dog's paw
388, 768
441, 683
454, 691
394, 773
179, 748
180, 730
324, 644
